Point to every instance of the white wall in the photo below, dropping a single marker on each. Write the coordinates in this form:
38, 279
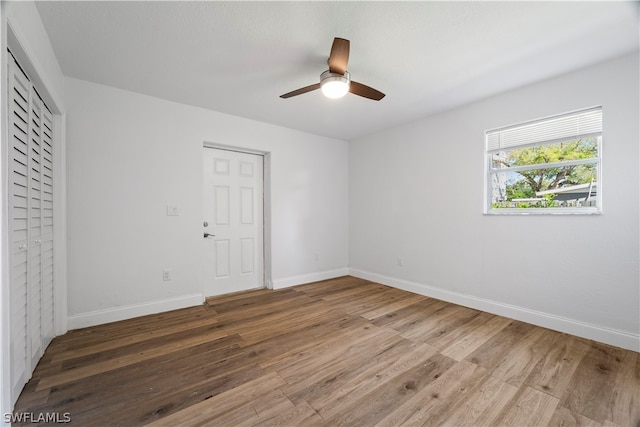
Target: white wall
130, 155
416, 192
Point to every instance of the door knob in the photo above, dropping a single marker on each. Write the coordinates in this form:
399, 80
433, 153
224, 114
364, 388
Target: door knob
208, 235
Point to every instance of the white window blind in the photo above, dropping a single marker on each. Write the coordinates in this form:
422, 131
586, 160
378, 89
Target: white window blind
580, 124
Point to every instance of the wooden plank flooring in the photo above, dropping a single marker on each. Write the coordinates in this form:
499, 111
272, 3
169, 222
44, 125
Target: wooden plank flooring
339, 352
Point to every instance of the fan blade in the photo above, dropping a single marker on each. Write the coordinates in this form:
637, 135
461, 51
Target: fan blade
339, 56
365, 91
301, 91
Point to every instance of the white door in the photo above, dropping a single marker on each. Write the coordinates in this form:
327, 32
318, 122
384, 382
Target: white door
19, 112
232, 221
30, 188
35, 229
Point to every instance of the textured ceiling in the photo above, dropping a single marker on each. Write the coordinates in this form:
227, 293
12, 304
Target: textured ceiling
238, 57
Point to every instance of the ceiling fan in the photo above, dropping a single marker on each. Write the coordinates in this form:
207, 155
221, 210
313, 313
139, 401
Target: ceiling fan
336, 81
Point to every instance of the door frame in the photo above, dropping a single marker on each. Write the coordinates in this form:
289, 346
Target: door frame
266, 204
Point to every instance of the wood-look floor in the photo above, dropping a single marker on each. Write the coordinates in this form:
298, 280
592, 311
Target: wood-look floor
338, 352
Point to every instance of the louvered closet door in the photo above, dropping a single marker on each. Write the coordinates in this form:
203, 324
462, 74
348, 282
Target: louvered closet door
19, 96
31, 221
46, 224
35, 230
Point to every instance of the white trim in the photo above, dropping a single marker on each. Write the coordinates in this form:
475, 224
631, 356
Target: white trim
553, 165
208, 144
309, 278
115, 314
602, 334
60, 225
544, 211
266, 220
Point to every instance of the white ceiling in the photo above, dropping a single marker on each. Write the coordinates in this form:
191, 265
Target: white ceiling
238, 57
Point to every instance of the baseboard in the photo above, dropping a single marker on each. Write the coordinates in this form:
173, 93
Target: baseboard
309, 278
115, 314
558, 323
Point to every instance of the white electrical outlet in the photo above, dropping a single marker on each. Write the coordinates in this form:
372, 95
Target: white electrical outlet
166, 275
400, 262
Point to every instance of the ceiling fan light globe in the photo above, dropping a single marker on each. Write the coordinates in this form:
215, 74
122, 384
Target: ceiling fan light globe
334, 85
335, 89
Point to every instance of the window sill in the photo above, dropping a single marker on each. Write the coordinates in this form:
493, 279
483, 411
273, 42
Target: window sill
544, 212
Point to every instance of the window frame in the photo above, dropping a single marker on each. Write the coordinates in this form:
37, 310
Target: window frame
490, 173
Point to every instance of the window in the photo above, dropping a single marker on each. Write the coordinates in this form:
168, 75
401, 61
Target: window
546, 166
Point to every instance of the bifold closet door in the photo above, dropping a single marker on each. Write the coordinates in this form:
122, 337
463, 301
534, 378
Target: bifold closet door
19, 97
46, 226
31, 226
